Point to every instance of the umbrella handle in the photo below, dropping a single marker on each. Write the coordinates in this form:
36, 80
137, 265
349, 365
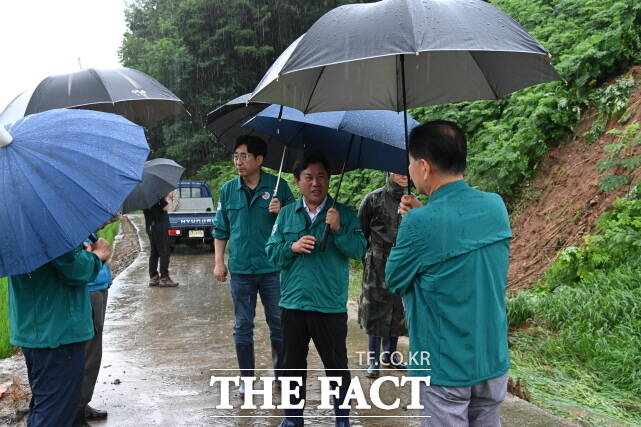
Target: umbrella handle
407, 147
323, 243
93, 238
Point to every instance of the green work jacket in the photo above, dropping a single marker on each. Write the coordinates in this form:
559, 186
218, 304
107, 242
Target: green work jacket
450, 265
51, 306
247, 224
316, 281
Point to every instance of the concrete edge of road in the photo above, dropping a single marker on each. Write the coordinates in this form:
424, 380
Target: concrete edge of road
135, 262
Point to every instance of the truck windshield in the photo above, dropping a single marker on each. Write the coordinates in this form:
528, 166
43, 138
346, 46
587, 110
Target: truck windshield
190, 192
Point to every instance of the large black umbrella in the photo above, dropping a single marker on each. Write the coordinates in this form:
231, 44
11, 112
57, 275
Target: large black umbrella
123, 91
400, 54
159, 177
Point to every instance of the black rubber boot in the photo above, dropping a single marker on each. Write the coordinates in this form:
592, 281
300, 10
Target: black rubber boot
389, 348
245, 356
294, 417
342, 415
374, 357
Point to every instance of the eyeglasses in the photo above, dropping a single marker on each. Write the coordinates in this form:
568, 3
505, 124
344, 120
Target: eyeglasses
240, 156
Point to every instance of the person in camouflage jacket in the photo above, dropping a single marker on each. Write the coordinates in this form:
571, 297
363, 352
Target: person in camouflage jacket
380, 312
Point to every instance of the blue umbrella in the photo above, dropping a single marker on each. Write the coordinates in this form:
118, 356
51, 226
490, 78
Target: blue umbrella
372, 139
63, 173
376, 136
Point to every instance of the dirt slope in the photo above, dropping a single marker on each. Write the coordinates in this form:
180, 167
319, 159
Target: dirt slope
564, 201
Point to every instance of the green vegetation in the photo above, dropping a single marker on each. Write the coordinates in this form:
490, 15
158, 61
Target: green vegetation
109, 232
6, 349
590, 40
621, 154
579, 330
208, 52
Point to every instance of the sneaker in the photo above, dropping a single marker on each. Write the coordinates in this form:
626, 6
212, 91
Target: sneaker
166, 282
154, 280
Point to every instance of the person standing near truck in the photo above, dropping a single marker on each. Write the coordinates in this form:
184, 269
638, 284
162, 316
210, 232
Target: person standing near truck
247, 209
157, 228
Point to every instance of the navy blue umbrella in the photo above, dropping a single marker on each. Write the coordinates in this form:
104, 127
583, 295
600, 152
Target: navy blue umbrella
372, 139
63, 173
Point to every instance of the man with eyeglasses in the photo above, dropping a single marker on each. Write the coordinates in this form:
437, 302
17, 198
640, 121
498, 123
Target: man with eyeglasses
245, 217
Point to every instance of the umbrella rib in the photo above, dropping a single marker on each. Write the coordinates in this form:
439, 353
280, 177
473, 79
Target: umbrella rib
496, 95
229, 128
27, 178
311, 95
102, 82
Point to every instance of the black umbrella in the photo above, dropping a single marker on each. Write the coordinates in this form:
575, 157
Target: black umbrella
123, 91
159, 177
227, 123
400, 54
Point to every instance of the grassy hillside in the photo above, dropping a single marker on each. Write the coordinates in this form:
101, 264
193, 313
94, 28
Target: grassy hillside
576, 335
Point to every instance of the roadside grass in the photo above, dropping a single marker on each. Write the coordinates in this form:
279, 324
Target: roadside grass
355, 280
109, 232
575, 336
6, 349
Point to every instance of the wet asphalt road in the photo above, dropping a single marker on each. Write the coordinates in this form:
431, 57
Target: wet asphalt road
160, 345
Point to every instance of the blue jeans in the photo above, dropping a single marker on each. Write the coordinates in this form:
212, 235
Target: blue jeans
55, 377
244, 289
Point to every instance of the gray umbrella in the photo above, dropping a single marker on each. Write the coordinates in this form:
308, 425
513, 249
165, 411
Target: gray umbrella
124, 91
159, 177
399, 54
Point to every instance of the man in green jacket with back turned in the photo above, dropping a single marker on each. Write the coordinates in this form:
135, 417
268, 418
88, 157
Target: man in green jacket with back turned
50, 317
314, 283
450, 265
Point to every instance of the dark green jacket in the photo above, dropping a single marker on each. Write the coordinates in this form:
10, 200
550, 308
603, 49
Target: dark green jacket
51, 306
316, 281
247, 226
450, 265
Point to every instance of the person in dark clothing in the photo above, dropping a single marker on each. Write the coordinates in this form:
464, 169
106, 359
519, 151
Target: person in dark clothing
380, 312
157, 227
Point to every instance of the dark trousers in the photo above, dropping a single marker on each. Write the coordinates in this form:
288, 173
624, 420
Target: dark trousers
159, 241
93, 349
55, 377
328, 331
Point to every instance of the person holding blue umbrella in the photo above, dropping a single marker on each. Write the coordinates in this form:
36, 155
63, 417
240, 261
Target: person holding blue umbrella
51, 202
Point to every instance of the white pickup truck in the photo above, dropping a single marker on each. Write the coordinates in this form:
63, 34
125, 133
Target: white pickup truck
192, 214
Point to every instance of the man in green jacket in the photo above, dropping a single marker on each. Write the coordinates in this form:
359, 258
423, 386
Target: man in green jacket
244, 219
450, 265
313, 282
50, 317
